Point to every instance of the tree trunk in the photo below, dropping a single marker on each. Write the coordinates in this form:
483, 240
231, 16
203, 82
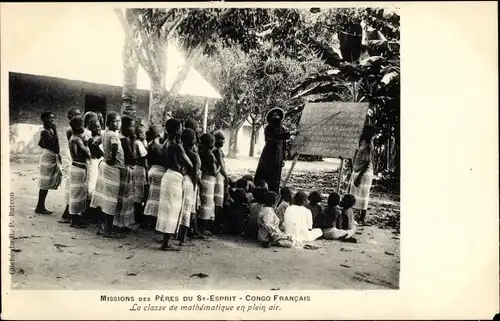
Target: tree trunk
158, 92
130, 69
252, 139
233, 142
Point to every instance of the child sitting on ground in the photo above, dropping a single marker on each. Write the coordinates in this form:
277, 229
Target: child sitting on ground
249, 179
298, 220
245, 185
316, 209
255, 207
286, 199
331, 213
268, 223
262, 184
237, 212
343, 226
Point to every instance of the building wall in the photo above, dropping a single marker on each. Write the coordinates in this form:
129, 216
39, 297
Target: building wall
30, 95
244, 138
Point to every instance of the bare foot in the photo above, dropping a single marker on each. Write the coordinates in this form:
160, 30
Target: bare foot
187, 243
172, 248
43, 211
78, 226
199, 236
207, 233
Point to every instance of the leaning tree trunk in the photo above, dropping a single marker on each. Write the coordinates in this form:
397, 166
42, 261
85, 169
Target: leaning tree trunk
158, 91
233, 142
252, 139
130, 69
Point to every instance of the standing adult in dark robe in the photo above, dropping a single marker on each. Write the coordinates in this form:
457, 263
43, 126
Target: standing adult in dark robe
272, 158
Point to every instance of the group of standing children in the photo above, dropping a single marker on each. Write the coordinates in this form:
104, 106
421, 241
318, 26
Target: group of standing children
170, 178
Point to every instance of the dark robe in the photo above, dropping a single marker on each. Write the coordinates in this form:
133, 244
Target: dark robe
272, 157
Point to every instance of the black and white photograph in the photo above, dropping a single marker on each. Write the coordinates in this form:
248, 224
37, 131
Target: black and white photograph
233, 159
208, 149
188, 148
249, 161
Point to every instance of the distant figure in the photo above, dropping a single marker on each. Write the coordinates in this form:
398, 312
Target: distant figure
272, 158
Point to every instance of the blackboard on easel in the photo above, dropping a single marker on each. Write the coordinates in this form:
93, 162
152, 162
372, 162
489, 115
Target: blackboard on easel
329, 129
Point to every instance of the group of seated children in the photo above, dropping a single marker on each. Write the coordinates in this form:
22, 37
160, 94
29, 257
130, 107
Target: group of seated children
253, 211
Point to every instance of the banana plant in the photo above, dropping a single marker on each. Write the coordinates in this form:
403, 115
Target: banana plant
364, 67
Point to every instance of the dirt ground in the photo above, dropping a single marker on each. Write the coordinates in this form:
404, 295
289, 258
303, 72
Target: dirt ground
48, 255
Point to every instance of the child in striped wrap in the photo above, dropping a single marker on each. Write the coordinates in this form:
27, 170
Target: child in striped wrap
50, 161
78, 174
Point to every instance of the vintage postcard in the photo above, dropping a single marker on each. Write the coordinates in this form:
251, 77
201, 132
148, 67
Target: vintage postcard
249, 160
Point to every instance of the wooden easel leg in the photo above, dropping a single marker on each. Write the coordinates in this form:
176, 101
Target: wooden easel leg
339, 180
287, 178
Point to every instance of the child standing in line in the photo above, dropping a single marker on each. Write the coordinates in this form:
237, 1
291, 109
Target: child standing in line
50, 161
190, 181
171, 189
65, 219
221, 179
124, 217
106, 194
209, 170
156, 160
78, 178
96, 152
139, 176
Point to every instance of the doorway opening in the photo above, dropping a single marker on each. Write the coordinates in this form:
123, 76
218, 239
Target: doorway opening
96, 103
